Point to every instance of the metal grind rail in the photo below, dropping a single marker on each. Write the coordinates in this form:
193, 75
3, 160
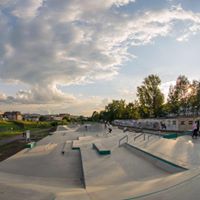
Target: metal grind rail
136, 137
123, 138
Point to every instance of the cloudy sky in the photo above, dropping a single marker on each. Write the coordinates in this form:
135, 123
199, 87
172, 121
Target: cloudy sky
77, 55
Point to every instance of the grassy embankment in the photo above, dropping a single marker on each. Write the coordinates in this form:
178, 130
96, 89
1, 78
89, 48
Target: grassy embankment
10, 129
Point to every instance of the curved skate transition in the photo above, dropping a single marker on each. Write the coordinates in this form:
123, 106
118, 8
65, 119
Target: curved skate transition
87, 163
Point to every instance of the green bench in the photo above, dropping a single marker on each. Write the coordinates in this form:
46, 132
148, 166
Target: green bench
31, 145
170, 135
100, 149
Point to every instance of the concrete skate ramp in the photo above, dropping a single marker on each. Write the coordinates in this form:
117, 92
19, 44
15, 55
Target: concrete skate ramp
181, 186
183, 151
96, 127
16, 193
121, 167
33, 174
47, 166
62, 128
45, 161
164, 164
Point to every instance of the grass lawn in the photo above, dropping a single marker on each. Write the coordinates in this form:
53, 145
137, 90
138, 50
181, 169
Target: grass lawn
9, 129
12, 148
7, 134
12, 128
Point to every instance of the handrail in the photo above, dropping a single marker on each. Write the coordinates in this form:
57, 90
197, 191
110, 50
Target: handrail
124, 137
153, 133
139, 136
150, 135
157, 134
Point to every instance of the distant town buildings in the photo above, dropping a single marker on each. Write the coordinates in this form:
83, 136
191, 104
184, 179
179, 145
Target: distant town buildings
31, 117
56, 118
1, 115
14, 115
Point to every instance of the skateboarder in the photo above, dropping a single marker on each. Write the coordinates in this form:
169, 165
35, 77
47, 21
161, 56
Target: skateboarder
109, 128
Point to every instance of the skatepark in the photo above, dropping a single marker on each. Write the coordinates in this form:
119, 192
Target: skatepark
85, 162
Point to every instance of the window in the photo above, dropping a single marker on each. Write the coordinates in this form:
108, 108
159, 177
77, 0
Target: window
174, 122
182, 122
190, 122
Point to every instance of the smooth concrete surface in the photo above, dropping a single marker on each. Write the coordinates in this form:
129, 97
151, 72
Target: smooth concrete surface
183, 151
149, 188
44, 166
45, 172
120, 167
14, 193
161, 163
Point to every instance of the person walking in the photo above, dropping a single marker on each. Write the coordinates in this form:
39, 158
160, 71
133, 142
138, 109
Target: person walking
197, 127
194, 130
28, 136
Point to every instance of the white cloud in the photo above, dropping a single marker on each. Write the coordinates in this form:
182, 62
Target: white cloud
2, 96
39, 94
4, 2
26, 9
46, 43
165, 88
73, 105
193, 30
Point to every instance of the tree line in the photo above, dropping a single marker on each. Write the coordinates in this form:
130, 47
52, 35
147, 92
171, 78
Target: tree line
183, 99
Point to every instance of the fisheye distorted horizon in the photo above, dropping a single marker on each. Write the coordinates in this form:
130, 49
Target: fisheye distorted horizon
77, 55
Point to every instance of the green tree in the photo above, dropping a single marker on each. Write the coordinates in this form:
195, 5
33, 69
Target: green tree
194, 98
95, 116
132, 111
197, 99
150, 96
54, 123
103, 115
179, 95
43, 118
165, 110
173, 100
115, 110
66, 118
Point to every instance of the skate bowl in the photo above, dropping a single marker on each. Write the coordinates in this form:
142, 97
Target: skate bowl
91, 127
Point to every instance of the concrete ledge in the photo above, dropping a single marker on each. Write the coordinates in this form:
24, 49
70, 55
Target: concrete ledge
100, 149
159, 162
75, 145
82, 168
89, 137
